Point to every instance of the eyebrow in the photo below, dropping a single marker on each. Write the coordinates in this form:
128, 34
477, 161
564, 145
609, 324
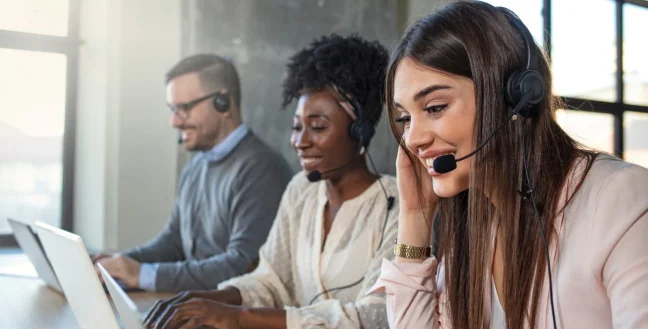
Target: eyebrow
428, 90
315, 116
424, 92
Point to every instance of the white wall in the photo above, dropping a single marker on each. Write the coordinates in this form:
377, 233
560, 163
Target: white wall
126, 157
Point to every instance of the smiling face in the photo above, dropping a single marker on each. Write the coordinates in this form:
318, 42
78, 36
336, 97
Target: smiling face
321, 133
437, 114
201, 129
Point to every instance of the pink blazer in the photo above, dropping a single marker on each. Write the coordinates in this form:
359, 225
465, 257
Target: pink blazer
599, 261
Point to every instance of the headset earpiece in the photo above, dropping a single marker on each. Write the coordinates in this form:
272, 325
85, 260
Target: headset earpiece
521, 82
361, 130
222, 102
525, 81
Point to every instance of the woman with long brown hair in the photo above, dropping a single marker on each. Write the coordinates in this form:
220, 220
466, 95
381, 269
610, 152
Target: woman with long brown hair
535, 231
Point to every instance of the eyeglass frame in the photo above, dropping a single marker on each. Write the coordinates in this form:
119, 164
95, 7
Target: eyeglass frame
182, 109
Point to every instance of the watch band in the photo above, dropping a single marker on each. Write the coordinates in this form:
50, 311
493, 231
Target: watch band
405, 251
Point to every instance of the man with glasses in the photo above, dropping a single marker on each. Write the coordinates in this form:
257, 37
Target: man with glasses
227, 196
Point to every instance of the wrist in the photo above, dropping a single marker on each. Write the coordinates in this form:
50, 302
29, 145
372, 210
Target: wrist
418, 214
228, 295
243, 316
415, 228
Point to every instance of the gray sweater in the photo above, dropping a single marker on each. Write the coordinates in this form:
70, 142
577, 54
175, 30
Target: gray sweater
222, 215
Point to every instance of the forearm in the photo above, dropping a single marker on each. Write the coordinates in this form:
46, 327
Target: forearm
415, 229
166, 247
229, 295
262, 318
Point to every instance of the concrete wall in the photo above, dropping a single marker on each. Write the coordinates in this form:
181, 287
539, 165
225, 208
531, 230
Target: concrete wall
261, 35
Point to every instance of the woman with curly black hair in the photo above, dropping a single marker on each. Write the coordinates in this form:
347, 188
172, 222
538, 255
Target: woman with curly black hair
334, 223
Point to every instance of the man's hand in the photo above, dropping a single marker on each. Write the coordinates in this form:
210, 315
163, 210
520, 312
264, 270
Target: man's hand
99, 256
121, 268
200, 312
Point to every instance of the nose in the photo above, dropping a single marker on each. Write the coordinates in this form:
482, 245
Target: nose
301, 139
418, 136
176, 120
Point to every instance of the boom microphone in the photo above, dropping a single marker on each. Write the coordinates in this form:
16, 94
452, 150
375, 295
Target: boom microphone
316, 175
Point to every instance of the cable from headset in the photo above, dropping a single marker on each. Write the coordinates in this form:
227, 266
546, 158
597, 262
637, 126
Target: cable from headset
537, 215
390, 203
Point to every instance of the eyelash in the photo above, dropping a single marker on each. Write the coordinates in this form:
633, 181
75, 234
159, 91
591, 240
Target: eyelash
316, 128
433, 110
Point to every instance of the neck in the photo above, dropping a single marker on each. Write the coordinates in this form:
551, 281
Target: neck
227, 127
350, 183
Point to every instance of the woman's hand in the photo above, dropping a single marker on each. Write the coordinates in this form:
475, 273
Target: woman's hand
418, 204
162, 310
202, 312
414, 200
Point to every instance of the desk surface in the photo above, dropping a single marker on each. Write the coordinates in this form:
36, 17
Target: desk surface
28, 303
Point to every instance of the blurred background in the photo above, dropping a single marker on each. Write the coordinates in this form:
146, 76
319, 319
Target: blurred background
85, 141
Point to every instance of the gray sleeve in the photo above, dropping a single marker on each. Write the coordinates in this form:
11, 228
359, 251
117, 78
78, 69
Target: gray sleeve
165, 247
256, 195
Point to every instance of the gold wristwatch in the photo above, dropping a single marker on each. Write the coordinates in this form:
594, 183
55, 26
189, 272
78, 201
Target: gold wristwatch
405, 251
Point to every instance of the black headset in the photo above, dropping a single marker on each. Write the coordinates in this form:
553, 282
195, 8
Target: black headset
524, 87
362, 129
222, 102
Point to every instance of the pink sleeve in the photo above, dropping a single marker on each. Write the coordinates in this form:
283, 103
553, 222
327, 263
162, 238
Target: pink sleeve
625, 272
411, 294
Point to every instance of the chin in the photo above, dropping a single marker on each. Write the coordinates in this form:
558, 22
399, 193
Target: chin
447, 186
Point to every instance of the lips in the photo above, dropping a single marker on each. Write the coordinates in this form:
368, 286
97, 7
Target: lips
309, 162
428, 160
186, 135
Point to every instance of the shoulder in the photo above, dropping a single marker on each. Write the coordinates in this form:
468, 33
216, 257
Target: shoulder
611, 179
389, 182
252, 157
612, 197
300, 188
252, 147
391, 188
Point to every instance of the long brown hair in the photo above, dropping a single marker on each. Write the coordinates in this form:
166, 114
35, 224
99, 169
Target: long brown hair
476, 40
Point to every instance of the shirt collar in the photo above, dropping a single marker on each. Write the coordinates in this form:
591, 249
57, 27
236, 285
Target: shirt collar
225, 147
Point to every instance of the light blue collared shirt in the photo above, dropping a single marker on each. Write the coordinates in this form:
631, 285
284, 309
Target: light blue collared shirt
148, 271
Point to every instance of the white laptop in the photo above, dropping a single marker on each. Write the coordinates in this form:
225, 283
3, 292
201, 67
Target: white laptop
128, 313
31, 246
78, 278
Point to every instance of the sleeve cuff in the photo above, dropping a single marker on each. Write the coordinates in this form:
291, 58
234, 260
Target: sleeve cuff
293, 318
407, 276
148, 276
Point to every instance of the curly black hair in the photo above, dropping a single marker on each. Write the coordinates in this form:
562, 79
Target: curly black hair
352, 64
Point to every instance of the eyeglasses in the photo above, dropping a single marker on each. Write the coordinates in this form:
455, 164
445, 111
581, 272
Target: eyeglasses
182, 109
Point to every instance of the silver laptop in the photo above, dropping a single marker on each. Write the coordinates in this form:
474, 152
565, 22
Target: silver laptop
31, 246
128, 313
77, 277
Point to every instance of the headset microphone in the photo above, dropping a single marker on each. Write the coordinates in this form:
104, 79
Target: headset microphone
180, 139
316, 175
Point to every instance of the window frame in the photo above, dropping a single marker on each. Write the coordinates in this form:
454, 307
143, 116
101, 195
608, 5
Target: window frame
619, 107
68, 46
